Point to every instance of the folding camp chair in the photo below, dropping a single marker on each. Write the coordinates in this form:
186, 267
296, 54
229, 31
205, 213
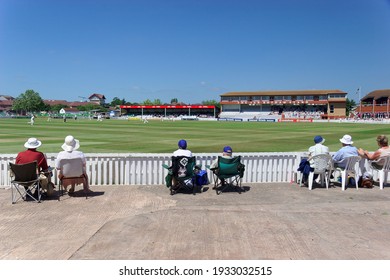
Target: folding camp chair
72, 173
25, 181
182, 171
228, 173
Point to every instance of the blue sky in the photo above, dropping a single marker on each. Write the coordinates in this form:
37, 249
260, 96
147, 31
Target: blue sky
193, 50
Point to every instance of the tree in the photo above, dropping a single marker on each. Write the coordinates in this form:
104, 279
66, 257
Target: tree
211, 102
349, 106
150, 102
90, 107
147, 102
116, 102
174, 101
28, 102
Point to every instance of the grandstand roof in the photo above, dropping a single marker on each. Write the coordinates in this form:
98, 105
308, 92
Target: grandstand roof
64, 102
285, 92
376, 94
167, 106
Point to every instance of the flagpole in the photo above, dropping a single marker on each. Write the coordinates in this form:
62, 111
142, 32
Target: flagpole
360, 102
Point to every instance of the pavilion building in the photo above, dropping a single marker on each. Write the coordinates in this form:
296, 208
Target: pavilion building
284, 105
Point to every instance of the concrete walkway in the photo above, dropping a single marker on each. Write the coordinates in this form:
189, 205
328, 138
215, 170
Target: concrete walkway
268, 221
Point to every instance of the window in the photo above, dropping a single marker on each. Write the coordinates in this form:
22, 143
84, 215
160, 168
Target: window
336, 95
229, 98
331, 108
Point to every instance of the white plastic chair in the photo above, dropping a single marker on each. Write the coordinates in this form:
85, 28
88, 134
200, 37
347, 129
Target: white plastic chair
351, 167
382, 173
323, 166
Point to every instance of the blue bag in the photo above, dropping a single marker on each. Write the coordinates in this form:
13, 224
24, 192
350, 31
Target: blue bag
201, 178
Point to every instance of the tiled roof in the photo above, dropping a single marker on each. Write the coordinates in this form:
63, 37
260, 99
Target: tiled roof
100, 96
286, 92
55, 102
6, 102
6, 97
376, 94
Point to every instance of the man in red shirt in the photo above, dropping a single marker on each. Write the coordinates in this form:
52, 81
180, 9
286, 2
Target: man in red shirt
30, 155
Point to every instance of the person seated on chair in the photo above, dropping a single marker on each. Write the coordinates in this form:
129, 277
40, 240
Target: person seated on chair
307, 165
317, 149
70, 148
347, 150
227, 152
30, 155
182, 151
377, 156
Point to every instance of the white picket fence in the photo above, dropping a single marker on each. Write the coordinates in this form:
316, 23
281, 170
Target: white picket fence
147, 169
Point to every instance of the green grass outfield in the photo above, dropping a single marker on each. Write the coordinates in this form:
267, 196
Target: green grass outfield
123, 136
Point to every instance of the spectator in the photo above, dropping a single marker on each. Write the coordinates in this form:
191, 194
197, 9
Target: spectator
347, 150
306, 165
70, 148
317, 149
377, 156
30, 155
226, 153
182, 151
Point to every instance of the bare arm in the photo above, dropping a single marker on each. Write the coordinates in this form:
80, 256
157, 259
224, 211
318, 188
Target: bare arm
371, 156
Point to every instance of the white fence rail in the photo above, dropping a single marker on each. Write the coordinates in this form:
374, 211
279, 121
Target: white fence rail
146, 169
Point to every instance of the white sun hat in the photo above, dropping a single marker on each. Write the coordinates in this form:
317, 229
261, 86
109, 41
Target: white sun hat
32, 143
70, 144
347, 140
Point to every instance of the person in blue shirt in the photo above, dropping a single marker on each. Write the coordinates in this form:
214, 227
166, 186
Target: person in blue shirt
347, 150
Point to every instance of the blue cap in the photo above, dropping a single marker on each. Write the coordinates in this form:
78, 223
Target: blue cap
227, 149
319, 140
182, 144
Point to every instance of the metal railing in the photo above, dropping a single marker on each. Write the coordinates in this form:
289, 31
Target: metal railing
147, 169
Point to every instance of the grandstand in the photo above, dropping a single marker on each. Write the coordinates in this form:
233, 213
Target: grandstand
167, 111
284, 105
375, 104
